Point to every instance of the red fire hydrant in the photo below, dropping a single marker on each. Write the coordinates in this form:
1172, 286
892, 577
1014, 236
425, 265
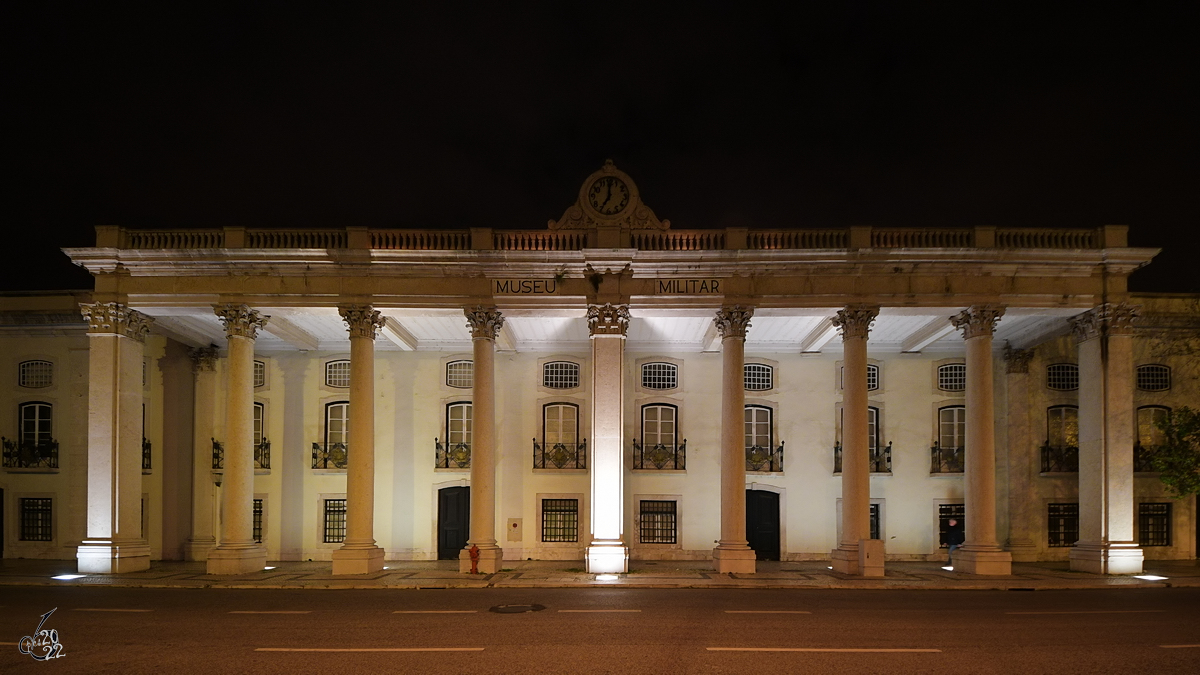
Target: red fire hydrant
474, 551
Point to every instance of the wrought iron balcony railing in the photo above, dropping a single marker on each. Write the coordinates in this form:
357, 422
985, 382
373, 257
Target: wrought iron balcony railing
262, 455
451, 455
879, 460
760, 458
19, 455
146, 465
560, 455
945, 460
329, 455
660, 457
1143, 457
1060, 458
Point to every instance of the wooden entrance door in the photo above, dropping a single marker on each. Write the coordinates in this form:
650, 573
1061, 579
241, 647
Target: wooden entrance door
454, 521
762, 523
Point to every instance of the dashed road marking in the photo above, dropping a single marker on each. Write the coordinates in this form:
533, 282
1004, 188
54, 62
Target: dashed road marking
822, 649
106, 609
1098, 611
436, 611
1179, 646
766, 611
370, 649
274, 611
599, 611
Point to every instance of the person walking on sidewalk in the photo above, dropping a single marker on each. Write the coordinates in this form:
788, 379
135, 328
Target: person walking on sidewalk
954, 538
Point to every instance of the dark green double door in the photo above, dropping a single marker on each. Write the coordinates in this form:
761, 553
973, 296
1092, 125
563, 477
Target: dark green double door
762, 523
454, 521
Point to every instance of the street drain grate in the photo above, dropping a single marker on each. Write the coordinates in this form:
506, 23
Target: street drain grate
516, 609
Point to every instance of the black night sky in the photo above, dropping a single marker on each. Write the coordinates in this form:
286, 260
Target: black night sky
888, 114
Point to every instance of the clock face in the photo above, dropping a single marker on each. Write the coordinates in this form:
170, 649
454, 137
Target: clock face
608, 195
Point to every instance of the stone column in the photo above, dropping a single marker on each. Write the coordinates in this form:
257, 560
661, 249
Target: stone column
1107, 519
1022, 459
204, 371
608, 552
981, 554
485, 323
359, 554
114, 542
733, 554
854, 322
237, 552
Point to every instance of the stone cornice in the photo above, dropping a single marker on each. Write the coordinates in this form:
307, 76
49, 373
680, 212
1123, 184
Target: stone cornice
855, 320
114, 318
485, 322
361, 320
733, 322
1105, 319
608, 319
978, 320
204, 359
240, 320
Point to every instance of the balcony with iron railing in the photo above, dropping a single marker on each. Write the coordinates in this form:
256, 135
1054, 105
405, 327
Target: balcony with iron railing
560, 455
945, 460
451, 455
879, 459
1143, 458
764, 458
262, 455
660, 457
329, 456
1060, 458
147, 465
34, 457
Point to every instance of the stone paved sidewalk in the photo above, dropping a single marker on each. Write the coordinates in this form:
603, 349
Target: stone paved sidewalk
570, 574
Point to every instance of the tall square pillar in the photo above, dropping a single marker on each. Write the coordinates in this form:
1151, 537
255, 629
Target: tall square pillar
607, 552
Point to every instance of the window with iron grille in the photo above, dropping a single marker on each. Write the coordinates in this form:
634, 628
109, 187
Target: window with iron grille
660, 375
952, 426
1062, 525
258, 516
1062, 426
758, 377
35, 374
460, 374
36, 418
37, 517
656, 521
1153, 377
875, 522
1154, 524
952, 377
337, 373
335, 521
560, 520
260, 374
1062, 376
1148, 419
946, 513
560, 375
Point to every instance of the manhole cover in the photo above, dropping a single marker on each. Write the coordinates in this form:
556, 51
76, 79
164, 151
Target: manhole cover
516, 609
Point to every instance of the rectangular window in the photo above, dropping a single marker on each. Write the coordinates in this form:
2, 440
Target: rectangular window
1154, 524
657, 522
560, 520
1148, 419
758, 426
658, 426
259, 410
260, 374
35, 423
1062, 426
258, 517
561, 424
335, 521
458, 423
952, 427
1062, 525
875, 522
337, 423
946, 513
37, 515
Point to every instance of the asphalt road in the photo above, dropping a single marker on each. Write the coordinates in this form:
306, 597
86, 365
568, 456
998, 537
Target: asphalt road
103, 630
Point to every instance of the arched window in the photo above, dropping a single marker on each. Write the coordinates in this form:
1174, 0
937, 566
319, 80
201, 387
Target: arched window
758, 427
560, 424
36, 422
458, 422
1062, 376
660, 376
952, 377
337, 423
758, 377
659, 422
560, 375
460, 374
35, 374
1153, 377
337, 373
952, 426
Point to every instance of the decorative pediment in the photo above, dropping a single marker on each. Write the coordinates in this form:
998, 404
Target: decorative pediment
609, 199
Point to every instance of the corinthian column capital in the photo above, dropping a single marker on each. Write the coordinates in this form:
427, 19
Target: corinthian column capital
978, 320
1107, 318
855, 320
485, 322
240, 320
732, 322
361, 320
116, 319
204, 359
608, 319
